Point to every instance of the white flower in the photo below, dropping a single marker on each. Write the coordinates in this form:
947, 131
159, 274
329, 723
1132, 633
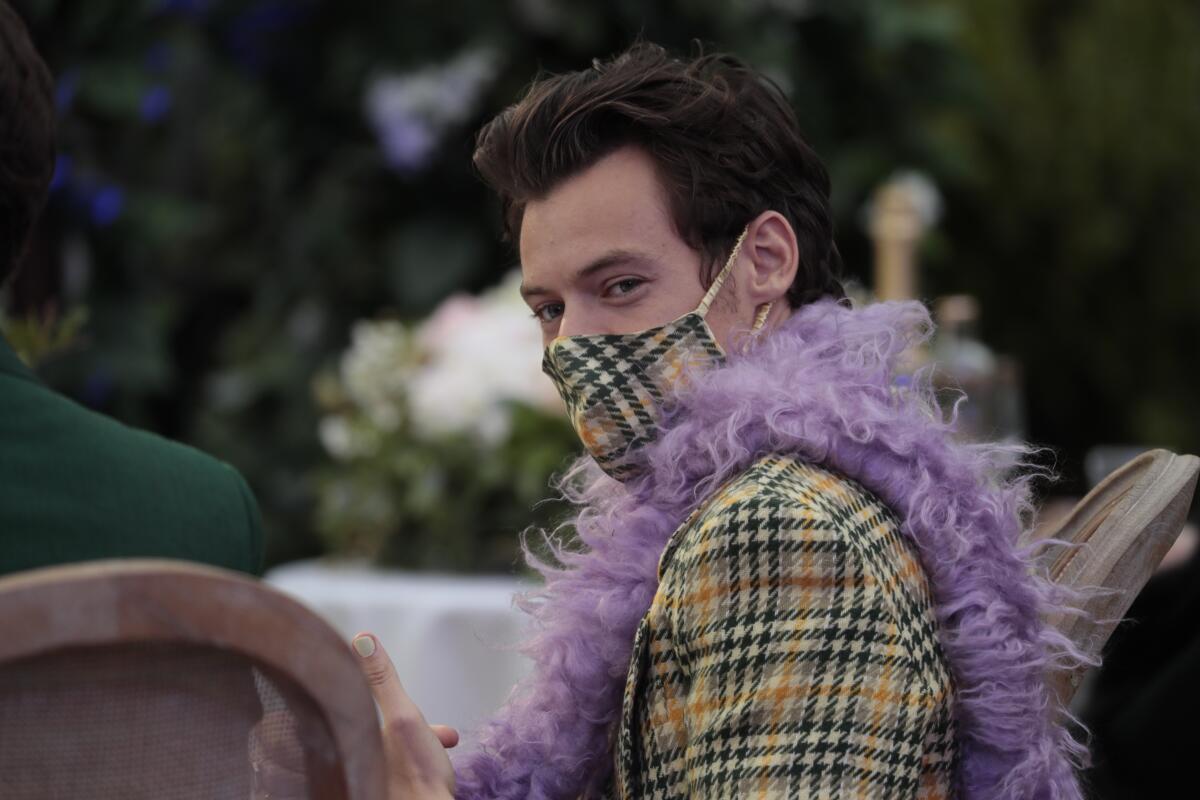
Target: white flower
480, 355
375, 370
450, 399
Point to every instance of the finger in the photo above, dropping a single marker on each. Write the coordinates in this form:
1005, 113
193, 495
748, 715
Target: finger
446, 735
415, 754
395, 705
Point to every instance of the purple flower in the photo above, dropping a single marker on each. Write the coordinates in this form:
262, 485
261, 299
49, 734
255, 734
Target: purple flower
156, 102
407, 143
106, 204
411, 112
62, 172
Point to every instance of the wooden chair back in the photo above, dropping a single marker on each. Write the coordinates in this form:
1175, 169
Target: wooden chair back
173, 681
1123, 526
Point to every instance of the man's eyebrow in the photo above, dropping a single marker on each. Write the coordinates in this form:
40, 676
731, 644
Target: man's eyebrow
608, 259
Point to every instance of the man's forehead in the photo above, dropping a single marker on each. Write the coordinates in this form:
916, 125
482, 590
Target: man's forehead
615, 203
559, 254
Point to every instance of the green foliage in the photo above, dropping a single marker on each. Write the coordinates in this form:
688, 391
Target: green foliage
37, 339
1077, 223
239, 211
448, 504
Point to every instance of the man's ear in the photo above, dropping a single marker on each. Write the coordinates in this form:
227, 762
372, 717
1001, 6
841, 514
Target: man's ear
773, 255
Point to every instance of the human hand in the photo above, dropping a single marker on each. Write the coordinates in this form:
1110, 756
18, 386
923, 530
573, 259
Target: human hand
417, 764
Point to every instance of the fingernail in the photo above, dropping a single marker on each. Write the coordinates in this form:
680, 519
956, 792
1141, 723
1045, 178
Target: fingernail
364, 645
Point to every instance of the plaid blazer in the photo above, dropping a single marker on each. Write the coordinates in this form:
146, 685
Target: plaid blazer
791, 651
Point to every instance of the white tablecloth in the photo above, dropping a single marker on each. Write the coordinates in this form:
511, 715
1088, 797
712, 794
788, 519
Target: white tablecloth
445, 633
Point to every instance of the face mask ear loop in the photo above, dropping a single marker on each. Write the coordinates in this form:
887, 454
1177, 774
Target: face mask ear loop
760, 319
711, 295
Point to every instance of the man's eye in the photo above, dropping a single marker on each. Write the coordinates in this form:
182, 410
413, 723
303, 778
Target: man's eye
625, 286
548, 312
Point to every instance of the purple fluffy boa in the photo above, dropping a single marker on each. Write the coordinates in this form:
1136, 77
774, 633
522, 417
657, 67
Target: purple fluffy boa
820, 386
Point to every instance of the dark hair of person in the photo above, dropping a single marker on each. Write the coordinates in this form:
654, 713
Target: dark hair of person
27, 134
725, 141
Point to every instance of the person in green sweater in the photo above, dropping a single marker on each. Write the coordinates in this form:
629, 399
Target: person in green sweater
76, 485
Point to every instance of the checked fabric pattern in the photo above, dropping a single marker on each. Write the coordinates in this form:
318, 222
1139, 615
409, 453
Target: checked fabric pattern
791, 651
615, 385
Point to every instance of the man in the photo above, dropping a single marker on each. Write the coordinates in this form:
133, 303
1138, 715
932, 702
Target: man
75, 485
794, 582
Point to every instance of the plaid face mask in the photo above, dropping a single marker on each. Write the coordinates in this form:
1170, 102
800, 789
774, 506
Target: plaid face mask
615, 385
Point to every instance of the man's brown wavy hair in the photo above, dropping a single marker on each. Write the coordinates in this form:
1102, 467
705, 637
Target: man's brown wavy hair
724, 138
26, 137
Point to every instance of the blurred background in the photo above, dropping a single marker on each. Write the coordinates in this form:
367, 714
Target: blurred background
265, 238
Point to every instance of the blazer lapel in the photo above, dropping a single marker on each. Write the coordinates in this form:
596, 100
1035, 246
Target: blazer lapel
624, 760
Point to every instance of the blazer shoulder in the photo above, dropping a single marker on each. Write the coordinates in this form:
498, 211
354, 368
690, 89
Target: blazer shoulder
781, 489
189, 473
762, 501
67, 468
781, 497
869, 526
